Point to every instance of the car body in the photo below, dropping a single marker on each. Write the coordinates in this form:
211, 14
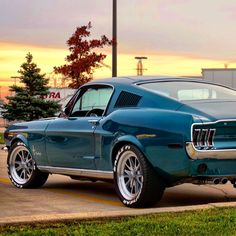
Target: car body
143, 133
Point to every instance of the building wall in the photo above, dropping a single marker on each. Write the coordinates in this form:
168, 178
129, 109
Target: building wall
225, 77
63, 95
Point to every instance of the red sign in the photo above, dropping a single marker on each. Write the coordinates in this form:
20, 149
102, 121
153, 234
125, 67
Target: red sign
53, 95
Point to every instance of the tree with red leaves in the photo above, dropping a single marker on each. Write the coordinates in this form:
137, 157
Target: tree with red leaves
83, 60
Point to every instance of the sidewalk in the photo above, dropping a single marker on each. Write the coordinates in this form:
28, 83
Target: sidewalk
102, 215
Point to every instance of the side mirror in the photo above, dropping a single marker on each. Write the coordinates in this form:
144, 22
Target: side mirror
65, 112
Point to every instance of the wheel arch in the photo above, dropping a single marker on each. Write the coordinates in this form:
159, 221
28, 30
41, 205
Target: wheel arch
128, 139
19, 138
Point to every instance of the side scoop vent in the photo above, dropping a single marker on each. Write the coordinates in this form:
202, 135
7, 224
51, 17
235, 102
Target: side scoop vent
127, 99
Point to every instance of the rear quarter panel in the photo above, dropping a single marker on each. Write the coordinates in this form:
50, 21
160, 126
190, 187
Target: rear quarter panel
159, 134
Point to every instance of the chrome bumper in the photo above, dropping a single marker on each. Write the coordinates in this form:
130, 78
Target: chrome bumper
5, 148
196, 154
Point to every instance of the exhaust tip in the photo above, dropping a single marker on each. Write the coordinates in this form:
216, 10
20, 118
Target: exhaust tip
216, 181
233, 182
224, 181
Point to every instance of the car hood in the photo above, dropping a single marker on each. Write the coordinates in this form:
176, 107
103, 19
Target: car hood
214, 110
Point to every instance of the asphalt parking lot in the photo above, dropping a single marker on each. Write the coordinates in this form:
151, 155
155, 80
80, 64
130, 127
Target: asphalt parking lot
63, 198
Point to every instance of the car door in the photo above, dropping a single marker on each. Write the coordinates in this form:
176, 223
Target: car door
70, 140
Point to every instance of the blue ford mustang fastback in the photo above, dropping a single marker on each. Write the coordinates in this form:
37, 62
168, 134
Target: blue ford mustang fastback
143, 133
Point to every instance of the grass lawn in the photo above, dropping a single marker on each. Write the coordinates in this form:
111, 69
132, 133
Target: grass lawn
218, 221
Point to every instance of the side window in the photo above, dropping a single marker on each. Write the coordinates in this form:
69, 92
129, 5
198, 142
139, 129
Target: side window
92, 102
193, 94
196, 94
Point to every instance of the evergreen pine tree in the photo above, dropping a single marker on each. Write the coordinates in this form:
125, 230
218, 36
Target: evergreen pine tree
27, 103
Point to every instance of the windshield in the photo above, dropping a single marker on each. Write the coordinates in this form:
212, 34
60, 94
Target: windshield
188, 91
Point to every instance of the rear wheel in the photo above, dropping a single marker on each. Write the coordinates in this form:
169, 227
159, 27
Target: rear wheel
22, 169
136, 183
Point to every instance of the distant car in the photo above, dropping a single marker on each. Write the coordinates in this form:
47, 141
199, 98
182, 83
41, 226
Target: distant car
143, 133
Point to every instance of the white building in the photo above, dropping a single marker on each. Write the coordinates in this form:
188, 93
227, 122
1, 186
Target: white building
224, 76
63, 95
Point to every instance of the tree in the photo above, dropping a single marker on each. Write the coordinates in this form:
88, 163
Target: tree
27, 103
83, 60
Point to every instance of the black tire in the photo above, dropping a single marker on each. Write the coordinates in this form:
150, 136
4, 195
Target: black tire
136, 183
22, 169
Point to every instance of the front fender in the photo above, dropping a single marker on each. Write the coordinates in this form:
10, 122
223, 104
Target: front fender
20, 138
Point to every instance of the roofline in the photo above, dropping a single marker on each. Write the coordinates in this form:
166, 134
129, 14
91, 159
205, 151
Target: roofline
218, 69
141, 79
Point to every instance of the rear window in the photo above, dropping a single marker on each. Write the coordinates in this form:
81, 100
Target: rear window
188, 91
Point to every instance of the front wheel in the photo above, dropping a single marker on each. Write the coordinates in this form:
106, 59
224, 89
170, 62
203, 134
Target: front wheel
22, 169
136, 183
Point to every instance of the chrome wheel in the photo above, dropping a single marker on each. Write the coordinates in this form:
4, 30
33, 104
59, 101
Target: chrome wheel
21, 165
136, 182
129, 175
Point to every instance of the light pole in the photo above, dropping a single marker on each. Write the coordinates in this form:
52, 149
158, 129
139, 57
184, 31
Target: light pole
114, 38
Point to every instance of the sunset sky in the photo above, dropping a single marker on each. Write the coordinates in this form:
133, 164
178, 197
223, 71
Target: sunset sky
179, 37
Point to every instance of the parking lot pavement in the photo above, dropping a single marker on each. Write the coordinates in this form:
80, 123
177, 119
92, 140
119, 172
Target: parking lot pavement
63, 198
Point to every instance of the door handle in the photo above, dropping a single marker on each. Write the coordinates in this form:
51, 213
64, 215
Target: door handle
72, 118
93, 122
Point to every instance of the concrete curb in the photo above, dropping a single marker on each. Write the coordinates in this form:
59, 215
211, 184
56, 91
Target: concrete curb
101, 215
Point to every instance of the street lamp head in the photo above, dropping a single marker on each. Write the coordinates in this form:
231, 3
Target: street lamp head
140, 58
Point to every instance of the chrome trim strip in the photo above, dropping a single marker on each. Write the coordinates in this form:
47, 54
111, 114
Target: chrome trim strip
209, 123
78, 172
222, 154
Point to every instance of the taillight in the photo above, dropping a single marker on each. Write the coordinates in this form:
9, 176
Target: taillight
203, 138
196, 135
211, 137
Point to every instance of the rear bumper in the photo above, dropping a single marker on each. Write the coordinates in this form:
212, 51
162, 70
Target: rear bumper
197, 154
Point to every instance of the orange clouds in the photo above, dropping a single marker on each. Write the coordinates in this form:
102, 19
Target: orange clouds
13, 55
